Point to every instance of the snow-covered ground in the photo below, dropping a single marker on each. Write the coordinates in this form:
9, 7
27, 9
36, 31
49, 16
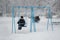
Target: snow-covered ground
25, 34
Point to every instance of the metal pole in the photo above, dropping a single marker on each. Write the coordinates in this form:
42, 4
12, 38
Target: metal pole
13, 21
49, 18
50, 15
32, 20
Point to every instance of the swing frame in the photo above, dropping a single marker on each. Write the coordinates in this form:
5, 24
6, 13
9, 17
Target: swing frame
32, 15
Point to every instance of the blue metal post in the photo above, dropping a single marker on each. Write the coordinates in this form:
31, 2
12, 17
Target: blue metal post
47, 23
13, 21
51, 24
49, 17
31, 21
32, 18
14, 25
31, 25
12, 18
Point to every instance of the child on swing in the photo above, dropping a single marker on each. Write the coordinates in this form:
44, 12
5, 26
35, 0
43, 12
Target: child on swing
21, 23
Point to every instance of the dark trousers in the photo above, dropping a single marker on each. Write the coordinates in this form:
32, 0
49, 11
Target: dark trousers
20, 26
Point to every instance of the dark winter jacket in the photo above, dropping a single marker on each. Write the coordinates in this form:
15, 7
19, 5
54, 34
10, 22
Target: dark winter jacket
21, 22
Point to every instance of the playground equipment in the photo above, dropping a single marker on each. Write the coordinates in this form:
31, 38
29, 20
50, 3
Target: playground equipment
32, 17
